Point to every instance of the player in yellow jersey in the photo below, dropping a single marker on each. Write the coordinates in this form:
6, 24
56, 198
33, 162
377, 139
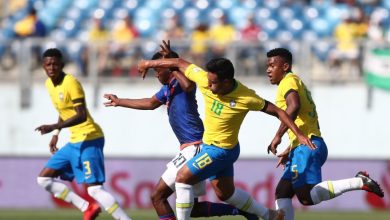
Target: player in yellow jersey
82, 158
227, 101
302, 175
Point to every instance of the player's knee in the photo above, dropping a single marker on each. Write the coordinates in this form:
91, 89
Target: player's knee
45, 182
305, 201
93, 190
224, 194
156, 197
181, 177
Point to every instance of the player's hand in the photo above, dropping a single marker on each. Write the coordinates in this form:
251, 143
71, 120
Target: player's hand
274, 144
282, 159
306, 141
142, 68
165, 48
113, 100
53, 144
44, 129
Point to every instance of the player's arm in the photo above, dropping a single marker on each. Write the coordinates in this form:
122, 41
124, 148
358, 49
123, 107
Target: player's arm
179, 63
271, 109
78, 118
293, 105
141, 104
283, 158
54, 139
186, 84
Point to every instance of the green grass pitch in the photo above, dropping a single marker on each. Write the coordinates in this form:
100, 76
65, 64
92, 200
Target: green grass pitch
65, 214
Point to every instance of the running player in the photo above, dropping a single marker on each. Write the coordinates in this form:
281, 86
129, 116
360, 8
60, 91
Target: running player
83, 156
302, 175
227, 101
178, 94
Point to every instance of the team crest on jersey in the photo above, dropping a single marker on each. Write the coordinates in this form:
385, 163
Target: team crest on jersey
61, 96
196, 69
233, 103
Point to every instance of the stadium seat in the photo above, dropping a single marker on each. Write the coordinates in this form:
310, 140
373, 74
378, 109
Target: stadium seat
321, 27
146, 20
191, 18
238, 16
321, 49
262, 14
270, 26
249, 4
309, 36
284, 36
295, 27
156, 5
226, 4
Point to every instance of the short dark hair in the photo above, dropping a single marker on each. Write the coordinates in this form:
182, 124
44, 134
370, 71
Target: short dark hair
222, 67
52, 52
283, 53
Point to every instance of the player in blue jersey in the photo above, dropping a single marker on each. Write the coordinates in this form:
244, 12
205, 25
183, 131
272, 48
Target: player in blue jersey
82, 158
302, 175
178, 94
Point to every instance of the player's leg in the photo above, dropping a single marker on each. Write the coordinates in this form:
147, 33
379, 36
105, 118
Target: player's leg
209, 209
160, 202
284, 193
59, 164
304, 169
166, 185
331, 189
46, 180
217, 165
208, 162
92, 173
184, 192
226, 191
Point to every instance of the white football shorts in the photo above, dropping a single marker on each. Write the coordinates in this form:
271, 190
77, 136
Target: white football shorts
169, 176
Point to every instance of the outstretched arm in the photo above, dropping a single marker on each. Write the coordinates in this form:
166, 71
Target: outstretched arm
179, 63
78, 118
293, 106
141, 104
271, 109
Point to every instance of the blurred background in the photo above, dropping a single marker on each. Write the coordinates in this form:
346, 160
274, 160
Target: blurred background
341, 49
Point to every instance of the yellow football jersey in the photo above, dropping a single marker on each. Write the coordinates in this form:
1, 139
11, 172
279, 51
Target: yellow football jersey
224, 114
62, 96
307, 119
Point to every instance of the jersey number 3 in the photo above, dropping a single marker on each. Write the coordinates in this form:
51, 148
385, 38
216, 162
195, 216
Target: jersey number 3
87, 167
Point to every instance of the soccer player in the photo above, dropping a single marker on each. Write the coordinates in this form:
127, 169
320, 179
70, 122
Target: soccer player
302, 175
83, 156
227, 101
178, 94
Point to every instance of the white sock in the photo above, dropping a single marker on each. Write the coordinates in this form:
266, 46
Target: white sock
184, 201
243, 201
330, 189
286, 205
61, 191
108, 202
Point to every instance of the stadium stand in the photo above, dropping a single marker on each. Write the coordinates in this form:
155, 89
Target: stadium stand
283, 21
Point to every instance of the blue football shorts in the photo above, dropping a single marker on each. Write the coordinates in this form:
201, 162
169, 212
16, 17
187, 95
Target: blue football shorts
83, 160
212, 162
304, 165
